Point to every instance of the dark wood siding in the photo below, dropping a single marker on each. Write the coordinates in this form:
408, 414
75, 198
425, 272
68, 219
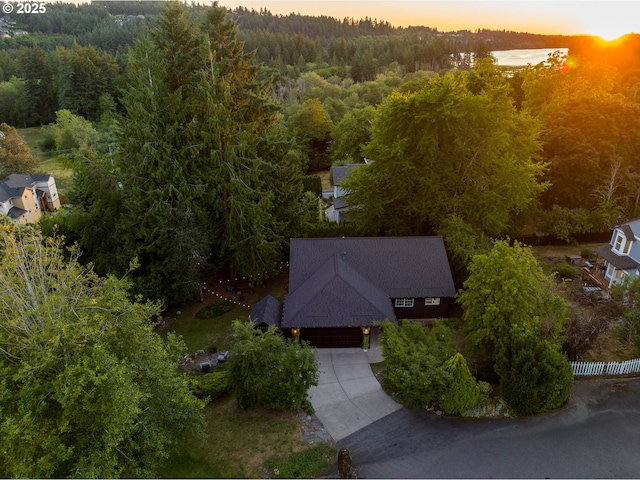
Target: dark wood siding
420, 310
332, 337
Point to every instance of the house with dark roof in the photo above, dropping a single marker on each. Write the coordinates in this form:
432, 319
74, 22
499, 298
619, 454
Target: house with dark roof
24, 198
339, 287
337, 210
622, 253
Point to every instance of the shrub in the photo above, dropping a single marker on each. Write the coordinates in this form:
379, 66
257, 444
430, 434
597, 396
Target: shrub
267, 368
587, 253
216, 309
535, 377
564, 271
211, 385
461, 391
582, 331
312, 183
413, 356
485, 389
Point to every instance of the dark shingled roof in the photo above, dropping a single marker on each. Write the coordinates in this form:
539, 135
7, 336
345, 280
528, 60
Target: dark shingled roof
626, 229
339, 296
339, 203
340, 172
336, 277
15, 212
6, 193
268, 311
14, 184
621, 262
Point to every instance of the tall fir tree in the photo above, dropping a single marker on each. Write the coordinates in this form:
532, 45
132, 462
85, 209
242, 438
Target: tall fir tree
194, 191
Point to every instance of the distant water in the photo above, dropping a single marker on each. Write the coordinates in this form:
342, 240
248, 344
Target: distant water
518, 58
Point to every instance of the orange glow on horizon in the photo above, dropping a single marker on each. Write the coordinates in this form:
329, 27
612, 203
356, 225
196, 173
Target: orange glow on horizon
608, 20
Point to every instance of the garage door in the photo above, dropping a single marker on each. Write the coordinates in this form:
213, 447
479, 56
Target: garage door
332, 337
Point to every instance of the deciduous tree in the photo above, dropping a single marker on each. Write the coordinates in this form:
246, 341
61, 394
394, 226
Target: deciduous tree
443, 151
269, 369
87, 388
507, 289
15, 154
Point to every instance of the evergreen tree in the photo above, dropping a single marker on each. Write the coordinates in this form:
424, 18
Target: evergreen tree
38, 94
461, 391
192, 178
534, 375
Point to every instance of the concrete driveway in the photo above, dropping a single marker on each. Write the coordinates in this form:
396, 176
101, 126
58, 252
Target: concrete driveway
348, 397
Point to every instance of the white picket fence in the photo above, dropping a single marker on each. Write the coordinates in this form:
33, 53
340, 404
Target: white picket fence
605, 368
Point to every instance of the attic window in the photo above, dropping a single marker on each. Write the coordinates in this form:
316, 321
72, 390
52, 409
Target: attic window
404, 302
622, 244
618, 243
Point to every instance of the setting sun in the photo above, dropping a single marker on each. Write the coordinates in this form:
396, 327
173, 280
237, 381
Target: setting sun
608, 21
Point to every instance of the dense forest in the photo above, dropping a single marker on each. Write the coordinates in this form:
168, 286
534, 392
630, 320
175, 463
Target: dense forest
287, 95
197, 137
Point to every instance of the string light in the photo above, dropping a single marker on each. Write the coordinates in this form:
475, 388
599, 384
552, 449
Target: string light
215, 294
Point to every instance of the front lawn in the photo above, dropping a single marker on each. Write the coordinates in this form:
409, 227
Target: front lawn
239, 444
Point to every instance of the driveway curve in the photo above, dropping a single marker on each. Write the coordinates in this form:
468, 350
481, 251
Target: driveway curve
348, 396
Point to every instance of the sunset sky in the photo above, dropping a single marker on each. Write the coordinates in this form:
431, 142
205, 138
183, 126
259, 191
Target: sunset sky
606, 19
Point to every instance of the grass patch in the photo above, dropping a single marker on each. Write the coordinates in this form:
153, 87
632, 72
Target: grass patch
63, 176
48, 163
203, 333
306, 464
239, 443
215, 309
325, 178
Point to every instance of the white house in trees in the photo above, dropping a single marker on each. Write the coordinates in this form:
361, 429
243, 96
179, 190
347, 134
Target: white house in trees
622, 253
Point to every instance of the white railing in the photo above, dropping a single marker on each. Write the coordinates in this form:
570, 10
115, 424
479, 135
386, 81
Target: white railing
605, 368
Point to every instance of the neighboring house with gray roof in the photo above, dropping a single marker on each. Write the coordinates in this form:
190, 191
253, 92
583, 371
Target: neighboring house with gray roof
340, 286
622, 253
337, 210
24, 198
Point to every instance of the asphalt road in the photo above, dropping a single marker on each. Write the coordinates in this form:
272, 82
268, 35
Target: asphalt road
595, 435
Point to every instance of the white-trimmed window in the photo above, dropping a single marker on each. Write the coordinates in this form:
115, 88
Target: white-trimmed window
622, 244
611, 270
405, 302
618, 242
432, 301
